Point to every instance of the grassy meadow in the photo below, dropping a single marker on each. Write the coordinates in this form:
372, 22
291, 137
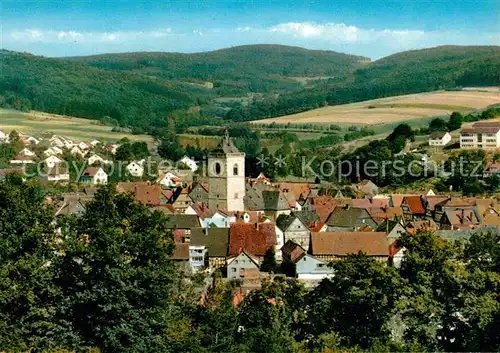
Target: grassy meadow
36, 123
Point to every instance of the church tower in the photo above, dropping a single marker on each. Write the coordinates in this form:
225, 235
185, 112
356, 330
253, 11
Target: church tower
226, 176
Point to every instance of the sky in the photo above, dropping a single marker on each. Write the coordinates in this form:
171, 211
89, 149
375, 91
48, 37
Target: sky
372, 28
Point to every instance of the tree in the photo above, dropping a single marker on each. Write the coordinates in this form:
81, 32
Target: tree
455, 121
116, 275
401, 130
29, 299
269, 264
356, 303
438, 124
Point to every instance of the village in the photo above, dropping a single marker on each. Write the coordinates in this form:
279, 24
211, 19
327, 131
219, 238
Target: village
223, 220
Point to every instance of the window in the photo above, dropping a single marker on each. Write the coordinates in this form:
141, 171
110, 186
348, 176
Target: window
235, 169
233, 269
218, 168
235, 195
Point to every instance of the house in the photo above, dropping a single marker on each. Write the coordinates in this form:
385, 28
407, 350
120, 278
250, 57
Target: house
135, 169
3, 136
27, 152
393, 228
72, 205
169, 180
96, 159
181, 255
58, 172
199, 209
367, 187
52, 161
333, 246
83, 146
275, 203
439, 138
182, 226
53, 151
77, 152
491, 217
94, 175
94, 143
199, 192
485, 135
261, 178
23, 160
56, 141
294, 229
213, 244
460, 218
493, 168
190, 163
112, 148
307, 267
180, 199
243, 266
255, 239
349, 219
33, 140
413, 208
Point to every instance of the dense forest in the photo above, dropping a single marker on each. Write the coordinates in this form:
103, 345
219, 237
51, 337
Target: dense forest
104, 282
143, 89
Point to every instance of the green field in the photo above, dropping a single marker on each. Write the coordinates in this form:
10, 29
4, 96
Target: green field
36, 123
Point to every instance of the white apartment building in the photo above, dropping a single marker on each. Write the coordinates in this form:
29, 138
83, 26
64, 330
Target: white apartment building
484, 135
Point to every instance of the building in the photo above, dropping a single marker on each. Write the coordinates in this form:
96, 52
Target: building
135, 169
214, 244
294, 229
190, 163
485, 135
94, 175
96, 159
52, 161
333, 246
492, 169
58, 172
307, 267
243, 266
439, 138
349, 219
226, 177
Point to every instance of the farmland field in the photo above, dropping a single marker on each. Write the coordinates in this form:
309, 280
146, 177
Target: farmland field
395, 109
36, 123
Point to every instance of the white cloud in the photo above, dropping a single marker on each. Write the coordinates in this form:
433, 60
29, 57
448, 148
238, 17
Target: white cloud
51, 36
342, 33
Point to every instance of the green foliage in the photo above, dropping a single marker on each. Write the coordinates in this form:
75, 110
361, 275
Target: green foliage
132, 150
438, 124
269, 264
455, 121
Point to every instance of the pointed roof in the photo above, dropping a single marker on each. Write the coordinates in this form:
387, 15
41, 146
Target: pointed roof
226, 145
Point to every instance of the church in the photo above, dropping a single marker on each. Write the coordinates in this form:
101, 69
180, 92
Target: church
226, 176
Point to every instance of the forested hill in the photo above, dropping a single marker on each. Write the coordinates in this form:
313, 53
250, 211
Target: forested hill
70, 88
142, 89
431, 69
236, 70
219, 64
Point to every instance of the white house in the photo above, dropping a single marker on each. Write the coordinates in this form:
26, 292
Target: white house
83, 146
56, 173
190, 163
53, 151
135, 169
94, 143
439, 138
96, 159
169, 180
94, 175
77, 152
485, 135
33, 140
112, 148
52, 161
3, 136
56, 141
27, 152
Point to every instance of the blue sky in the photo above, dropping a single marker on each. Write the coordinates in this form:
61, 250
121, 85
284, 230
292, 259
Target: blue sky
372, 28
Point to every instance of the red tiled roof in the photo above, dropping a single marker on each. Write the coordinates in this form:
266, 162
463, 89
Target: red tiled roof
324, 205
344, 243
147, 194
201, 210
91, 171
246, 237
180, 252
414, 203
